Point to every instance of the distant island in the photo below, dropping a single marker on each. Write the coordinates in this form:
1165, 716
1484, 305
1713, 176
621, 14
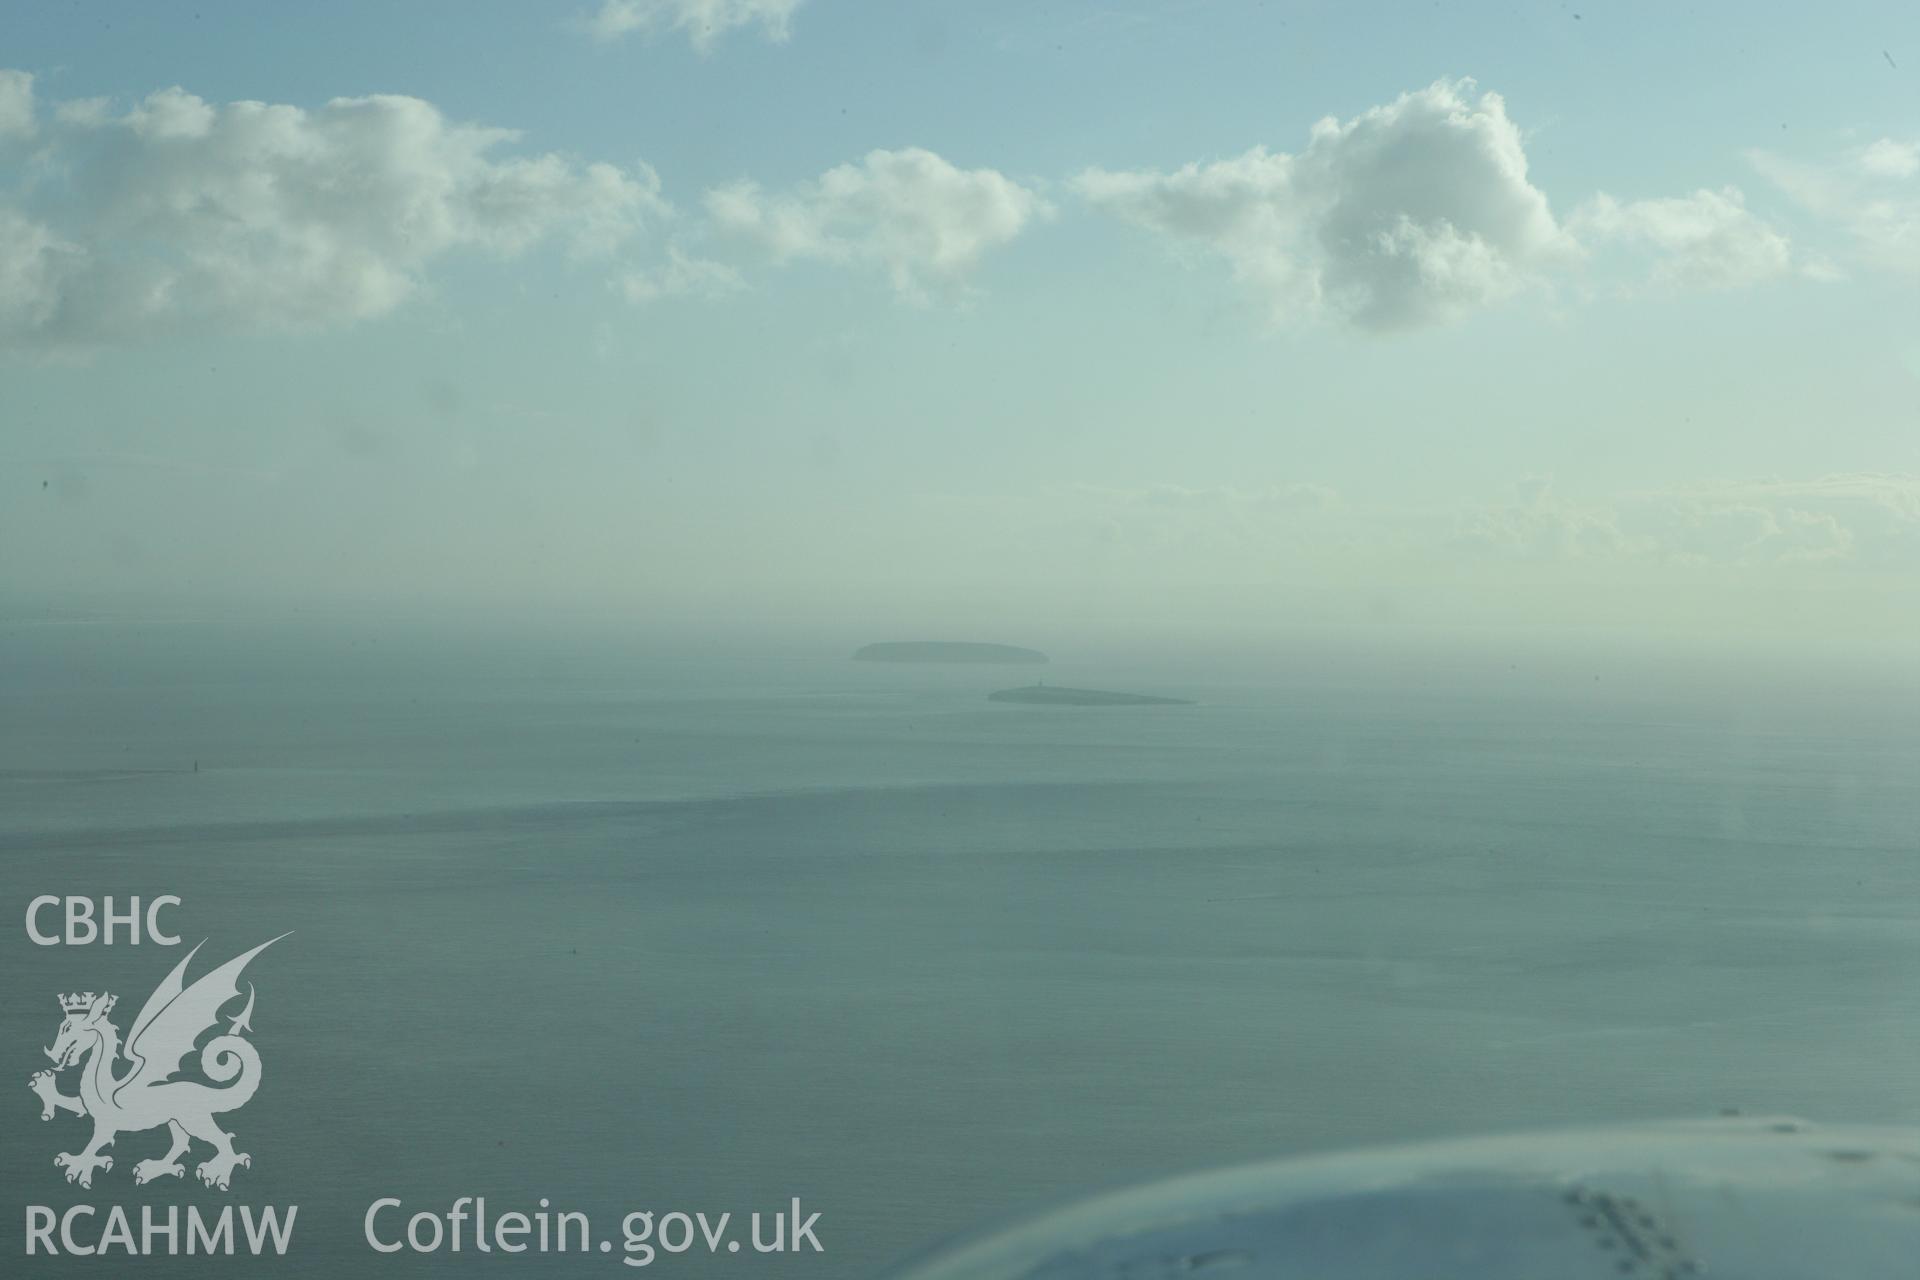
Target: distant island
946, 651
1055, 695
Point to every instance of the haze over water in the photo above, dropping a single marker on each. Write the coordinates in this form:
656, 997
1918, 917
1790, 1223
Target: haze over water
449, 453
629, 926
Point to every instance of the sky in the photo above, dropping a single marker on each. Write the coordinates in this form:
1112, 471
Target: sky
969, 318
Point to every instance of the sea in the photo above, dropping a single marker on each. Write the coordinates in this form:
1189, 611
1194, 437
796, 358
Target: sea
620, 924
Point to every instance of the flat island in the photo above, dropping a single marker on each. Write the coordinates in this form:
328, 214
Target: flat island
1056, 696
946, 651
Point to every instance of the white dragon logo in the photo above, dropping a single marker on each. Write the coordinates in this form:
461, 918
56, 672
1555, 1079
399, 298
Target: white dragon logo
146, 1096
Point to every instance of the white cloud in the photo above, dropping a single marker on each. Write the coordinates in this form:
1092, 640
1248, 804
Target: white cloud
1866, 520
16, 104
1706, 240
703, 21
682, 276
1822, 269
1871, 194
32, 261
179, 215
1889, 159
1411, 213
1539, 525
1761, 531
908, 212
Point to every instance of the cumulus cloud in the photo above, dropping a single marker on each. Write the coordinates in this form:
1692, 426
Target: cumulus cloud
16, 104
682, 275
1705, 240
1411, 213
179, 215
1765, 533
1867, 521
1871, 194
1889, 159
1538, 525
1422, 211
909, 213
32, 262
703, 21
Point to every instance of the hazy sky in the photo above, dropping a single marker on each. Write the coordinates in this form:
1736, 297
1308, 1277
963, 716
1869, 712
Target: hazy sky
919, 313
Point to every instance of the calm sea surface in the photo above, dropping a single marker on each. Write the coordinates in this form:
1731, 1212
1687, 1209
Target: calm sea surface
708, 931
